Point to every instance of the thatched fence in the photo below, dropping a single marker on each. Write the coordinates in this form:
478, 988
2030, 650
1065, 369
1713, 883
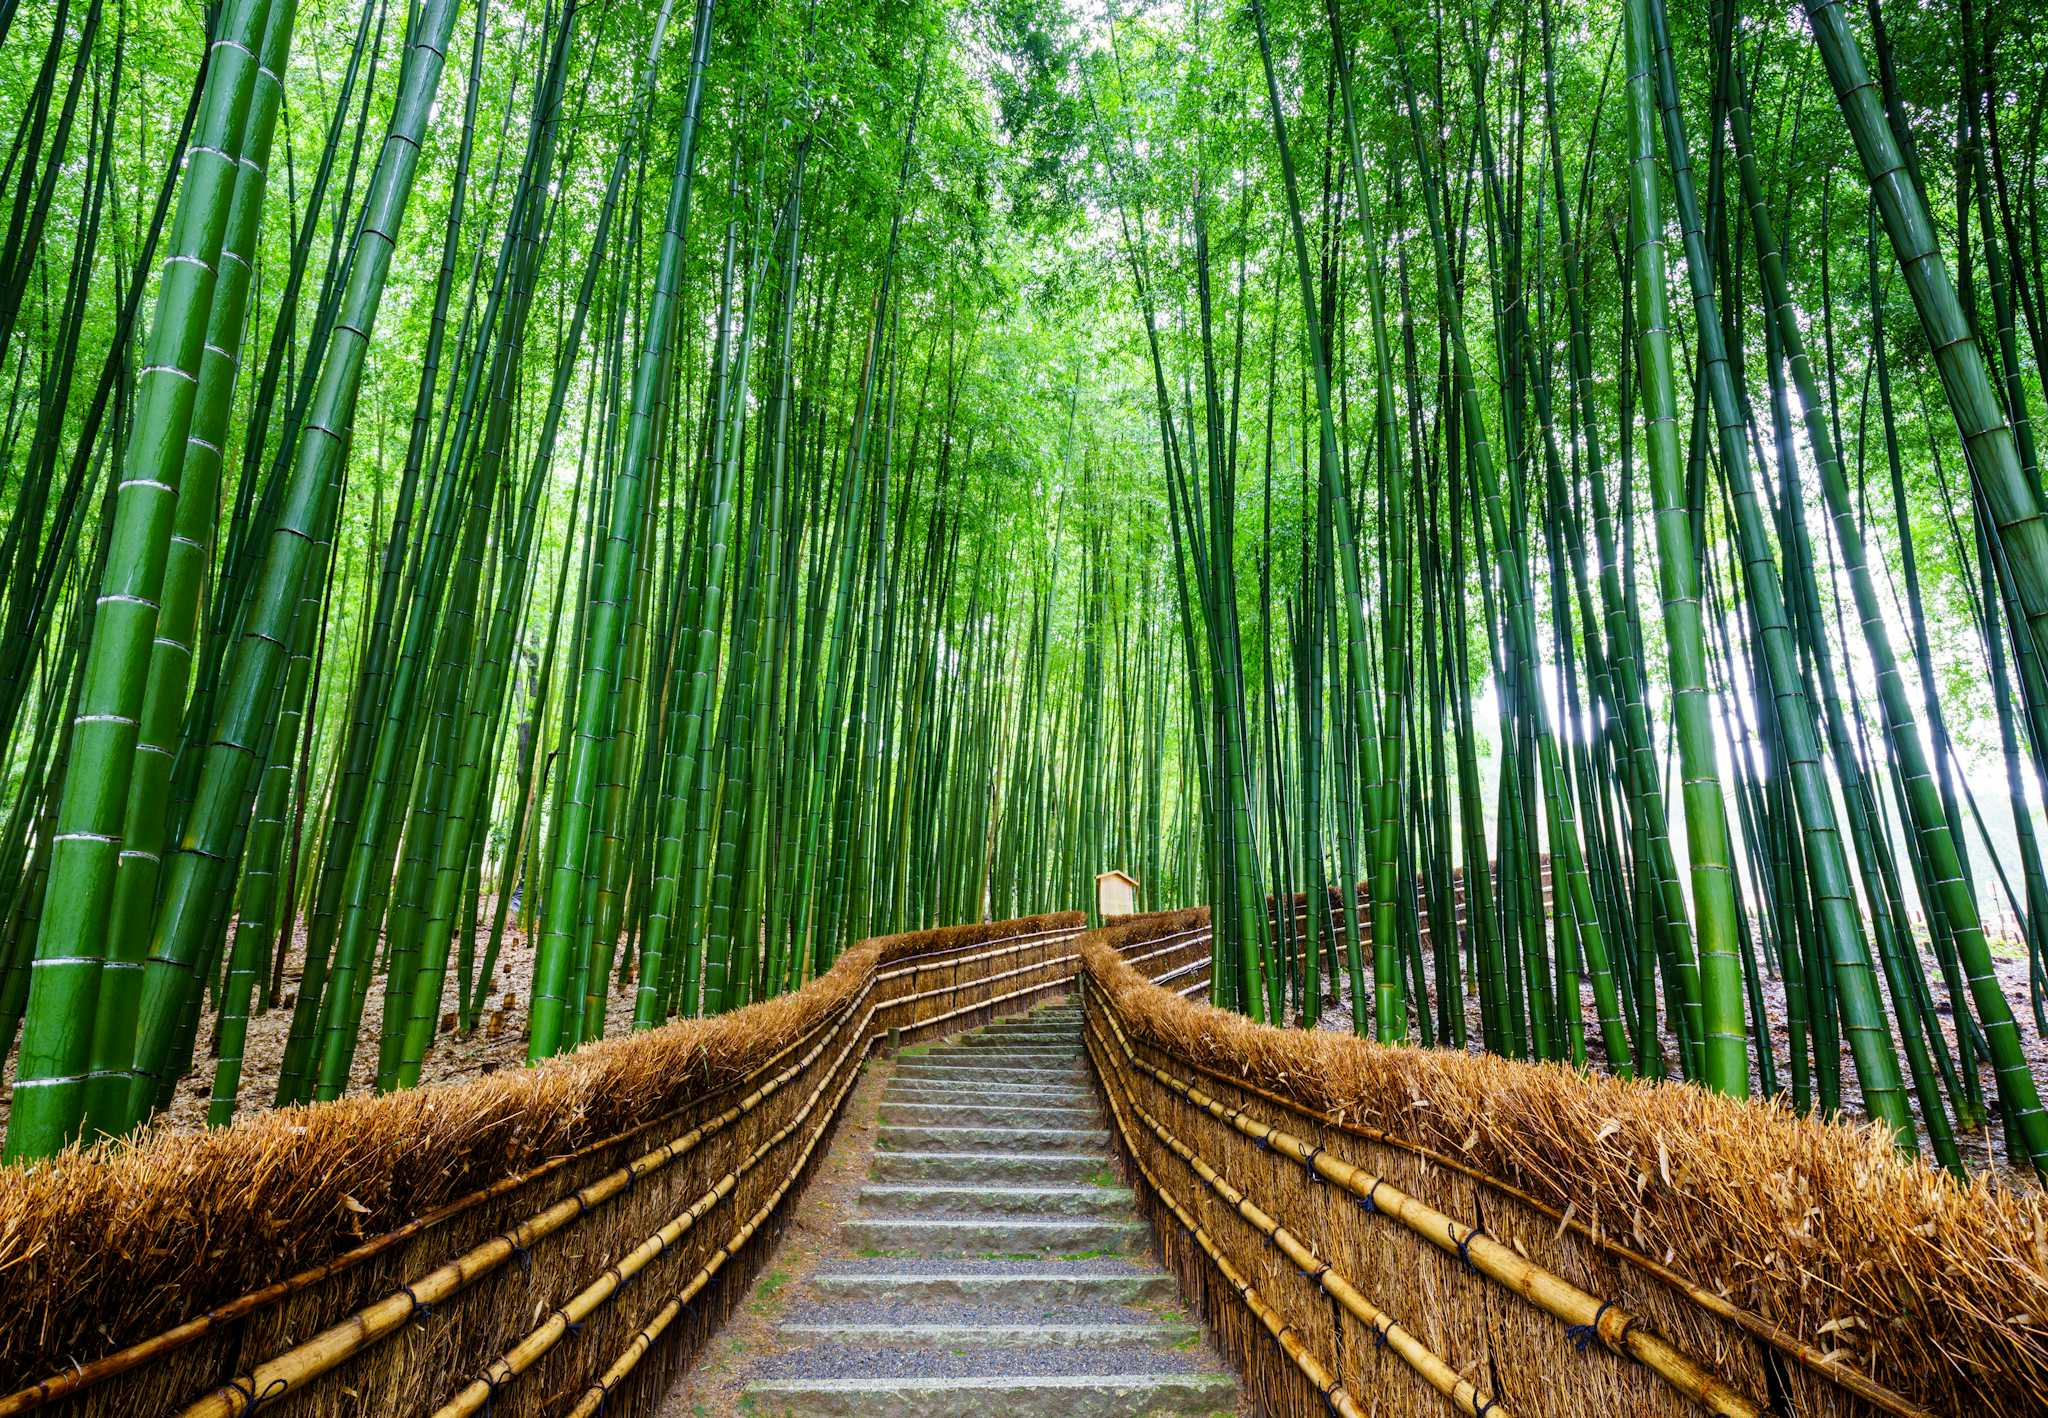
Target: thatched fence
545, 1240
1388, 1231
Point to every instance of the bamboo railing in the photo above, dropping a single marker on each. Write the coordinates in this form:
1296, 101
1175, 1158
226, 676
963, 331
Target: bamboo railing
592, 1273
1346, 1269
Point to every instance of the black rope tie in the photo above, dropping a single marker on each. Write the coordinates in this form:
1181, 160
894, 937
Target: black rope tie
604, 1393
1308, 1164
252, 1398
1379, 1337
1583, 1335
1465, 1247
421, 1310
1481, 1405
1330, 1395
523, 1254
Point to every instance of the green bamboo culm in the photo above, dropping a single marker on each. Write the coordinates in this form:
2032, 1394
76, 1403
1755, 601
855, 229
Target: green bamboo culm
1706, 818
554, 967
72, 939
258, 663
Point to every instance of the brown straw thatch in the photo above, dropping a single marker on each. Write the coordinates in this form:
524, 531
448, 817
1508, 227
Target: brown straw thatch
288, 1220
1793, 1257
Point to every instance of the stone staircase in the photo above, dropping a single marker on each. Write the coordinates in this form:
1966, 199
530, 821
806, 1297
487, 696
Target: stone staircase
992, 1263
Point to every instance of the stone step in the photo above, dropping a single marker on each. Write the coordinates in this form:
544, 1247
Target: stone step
1002, 1167
967, 1331
1109, 1395
1024, 1034
998, 1058
1064, 1074
1093, 1142
989, 1049
992, 1235
914, 1090
981, 1198
998, 1115
1033, 1284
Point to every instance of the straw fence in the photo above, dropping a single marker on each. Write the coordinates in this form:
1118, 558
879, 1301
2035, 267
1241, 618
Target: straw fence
1404, 1231
544, 1240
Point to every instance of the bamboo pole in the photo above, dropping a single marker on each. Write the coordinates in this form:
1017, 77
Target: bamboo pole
1616, 1327
1435, 1371
1291, 1344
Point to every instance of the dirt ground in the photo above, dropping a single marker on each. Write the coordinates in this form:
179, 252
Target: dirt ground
498, 1042
1983, 1149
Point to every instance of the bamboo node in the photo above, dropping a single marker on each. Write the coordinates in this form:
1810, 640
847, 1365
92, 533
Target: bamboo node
1583, 1335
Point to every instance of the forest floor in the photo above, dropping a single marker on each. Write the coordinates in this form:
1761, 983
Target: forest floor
499, 1040
1983, 1149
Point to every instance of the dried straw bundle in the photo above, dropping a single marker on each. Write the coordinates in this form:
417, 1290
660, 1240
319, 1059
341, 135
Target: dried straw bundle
106, 1246
1935, 1291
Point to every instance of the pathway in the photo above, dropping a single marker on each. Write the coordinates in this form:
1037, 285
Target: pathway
991, 1262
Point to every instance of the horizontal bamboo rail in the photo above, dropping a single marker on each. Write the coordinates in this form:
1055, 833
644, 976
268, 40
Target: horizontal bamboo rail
855, 1024
1786, 1344
579, 1307
84, 1376
1318, 1375
593, 1397
1615, 1327
1464, 1396
298, 1365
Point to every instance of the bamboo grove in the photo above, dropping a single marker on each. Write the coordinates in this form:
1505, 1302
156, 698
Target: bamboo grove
549, 492
594, 508
1634, 406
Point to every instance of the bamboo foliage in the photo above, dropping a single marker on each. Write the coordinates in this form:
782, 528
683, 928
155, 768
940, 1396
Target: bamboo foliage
1415, 479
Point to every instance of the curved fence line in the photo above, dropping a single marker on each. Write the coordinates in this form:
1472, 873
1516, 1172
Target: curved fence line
614, 1251
1316, 1163
1369, 1230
